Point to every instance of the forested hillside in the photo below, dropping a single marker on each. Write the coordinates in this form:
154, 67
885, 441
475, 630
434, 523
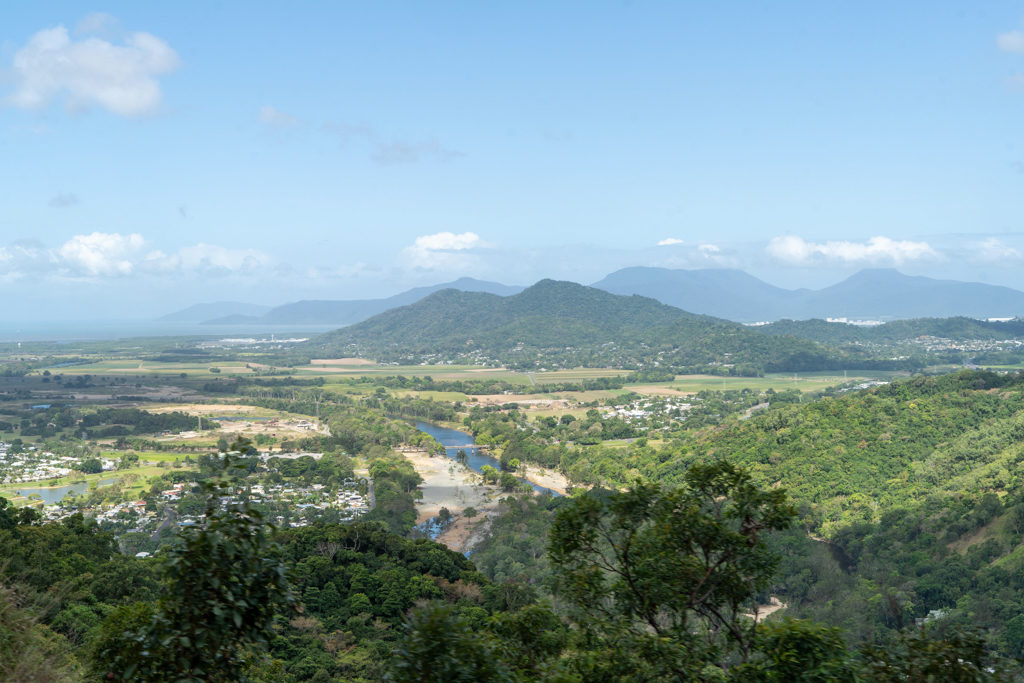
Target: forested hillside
562, 324
912, 490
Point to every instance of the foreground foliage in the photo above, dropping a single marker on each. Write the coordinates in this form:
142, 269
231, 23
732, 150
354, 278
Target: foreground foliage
223, 585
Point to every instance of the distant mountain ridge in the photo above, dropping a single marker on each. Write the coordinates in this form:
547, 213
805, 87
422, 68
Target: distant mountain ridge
201, 312
878, 294
883, 294
348, 312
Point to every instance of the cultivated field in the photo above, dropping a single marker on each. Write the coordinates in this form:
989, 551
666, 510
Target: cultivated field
809, 382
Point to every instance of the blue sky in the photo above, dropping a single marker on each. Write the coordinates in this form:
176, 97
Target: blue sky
160, 154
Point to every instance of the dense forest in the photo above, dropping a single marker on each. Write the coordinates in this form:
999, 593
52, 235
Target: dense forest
908, 497
652, 584
886, 521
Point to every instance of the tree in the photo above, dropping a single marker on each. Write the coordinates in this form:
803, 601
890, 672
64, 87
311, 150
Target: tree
659, 579
11, 516
440, 646
918, 656
90, 466
796, 651
128, 460
489, 474
225, 582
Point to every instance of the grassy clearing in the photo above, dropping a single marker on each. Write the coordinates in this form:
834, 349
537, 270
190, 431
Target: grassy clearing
143, 474
458, 372
806, 382
127, 366
149, 456
589, 395
136, 368
434, 395
233, 410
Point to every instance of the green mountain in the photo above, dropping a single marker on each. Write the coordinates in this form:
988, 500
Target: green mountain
564, 324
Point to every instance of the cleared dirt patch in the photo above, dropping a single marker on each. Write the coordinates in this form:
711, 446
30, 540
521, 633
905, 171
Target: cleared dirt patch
526, 401
342, 361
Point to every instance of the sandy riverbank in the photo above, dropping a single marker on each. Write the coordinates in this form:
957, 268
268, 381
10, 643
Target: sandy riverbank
450, 485
447, 484
549, 479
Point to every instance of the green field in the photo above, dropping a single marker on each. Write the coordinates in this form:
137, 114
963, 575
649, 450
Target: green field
136, 367
143, 474
128, 367
806, 382
451, 396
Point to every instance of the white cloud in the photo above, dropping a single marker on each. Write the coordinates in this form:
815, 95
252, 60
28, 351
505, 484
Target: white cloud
449, 240
994, 251
442, 250
709, 249
23, 257
271, 116
100, 253
207, 258
119, 78
669, 241
113, 255
1012, 41
795, 250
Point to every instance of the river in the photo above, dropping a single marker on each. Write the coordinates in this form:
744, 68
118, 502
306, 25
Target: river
454, 440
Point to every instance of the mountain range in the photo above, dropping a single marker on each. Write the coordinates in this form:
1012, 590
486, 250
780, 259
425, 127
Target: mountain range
347, 312
877, 294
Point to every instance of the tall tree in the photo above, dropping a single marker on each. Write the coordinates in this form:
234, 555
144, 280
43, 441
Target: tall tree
659, 580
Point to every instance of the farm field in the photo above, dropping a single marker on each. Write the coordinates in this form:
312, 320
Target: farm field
328, 369
231, 410
809, 382
456, 372
135, 366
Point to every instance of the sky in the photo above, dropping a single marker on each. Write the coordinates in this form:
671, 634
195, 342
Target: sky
156, 155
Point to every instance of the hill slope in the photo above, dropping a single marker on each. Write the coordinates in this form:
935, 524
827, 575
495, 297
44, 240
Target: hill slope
562, 324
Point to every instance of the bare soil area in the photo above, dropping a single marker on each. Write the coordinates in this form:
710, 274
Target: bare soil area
447, 484
525, 401
549, 479
342, 361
